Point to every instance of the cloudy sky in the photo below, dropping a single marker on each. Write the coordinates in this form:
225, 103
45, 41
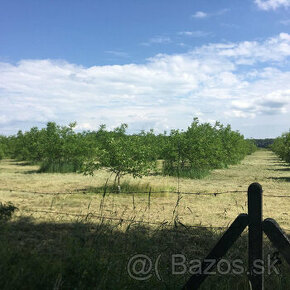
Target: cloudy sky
152, 64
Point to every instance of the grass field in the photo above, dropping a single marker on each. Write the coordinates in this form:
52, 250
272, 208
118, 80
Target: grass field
66, 236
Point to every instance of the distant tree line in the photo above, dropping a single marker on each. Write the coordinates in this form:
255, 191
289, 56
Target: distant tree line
190, 153
281, 146
264, 143
3, 147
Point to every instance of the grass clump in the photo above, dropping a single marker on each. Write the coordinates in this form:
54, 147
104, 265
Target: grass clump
193, 173
129, 187
59, 167
6, 211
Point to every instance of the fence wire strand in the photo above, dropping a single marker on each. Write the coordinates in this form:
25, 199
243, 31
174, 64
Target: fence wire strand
85, 191
162, 224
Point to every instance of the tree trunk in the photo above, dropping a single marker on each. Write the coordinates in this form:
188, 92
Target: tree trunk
119, 187
115, 180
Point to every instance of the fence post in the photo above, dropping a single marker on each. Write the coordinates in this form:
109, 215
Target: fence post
256, 262
219, 250
256, 227
149, 195
278, 238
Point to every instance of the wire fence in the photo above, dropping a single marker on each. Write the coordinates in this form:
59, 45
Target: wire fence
149, 192
282, 196
132, 220
165, 223
120, 219
84, 191
174, 225
107, 191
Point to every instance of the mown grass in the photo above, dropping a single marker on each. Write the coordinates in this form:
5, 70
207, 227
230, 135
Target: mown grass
64, 236
85, 255
194, 173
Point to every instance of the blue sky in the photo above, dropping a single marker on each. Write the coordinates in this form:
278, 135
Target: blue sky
152, 64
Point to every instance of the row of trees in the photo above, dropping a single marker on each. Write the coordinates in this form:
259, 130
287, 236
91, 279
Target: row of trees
264, 143
200, 148
3, 146
56, 148
281, 146
203, 147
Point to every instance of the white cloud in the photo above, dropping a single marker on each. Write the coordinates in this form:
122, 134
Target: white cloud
216, 81
157, 40
272, 4
196, 33
117, 53
200, 14
250, 52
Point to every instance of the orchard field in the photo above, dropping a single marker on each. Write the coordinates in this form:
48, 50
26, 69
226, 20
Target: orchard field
76, 206
66, 235
74, 194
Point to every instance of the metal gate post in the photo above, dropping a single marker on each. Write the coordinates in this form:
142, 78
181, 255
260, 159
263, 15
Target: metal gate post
256, 261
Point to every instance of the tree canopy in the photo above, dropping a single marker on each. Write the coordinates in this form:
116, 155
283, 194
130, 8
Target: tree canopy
190, 153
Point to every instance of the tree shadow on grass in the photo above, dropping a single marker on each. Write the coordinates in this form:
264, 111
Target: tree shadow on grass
36, 171
272, 159
95, 256
282, 179
280, 164
22, 163
281, 169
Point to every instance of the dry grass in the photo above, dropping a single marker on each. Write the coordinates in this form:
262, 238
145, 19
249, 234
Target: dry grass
54, 242
19, 182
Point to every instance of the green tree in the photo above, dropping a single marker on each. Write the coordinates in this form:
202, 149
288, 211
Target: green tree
281, 146
122, 154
